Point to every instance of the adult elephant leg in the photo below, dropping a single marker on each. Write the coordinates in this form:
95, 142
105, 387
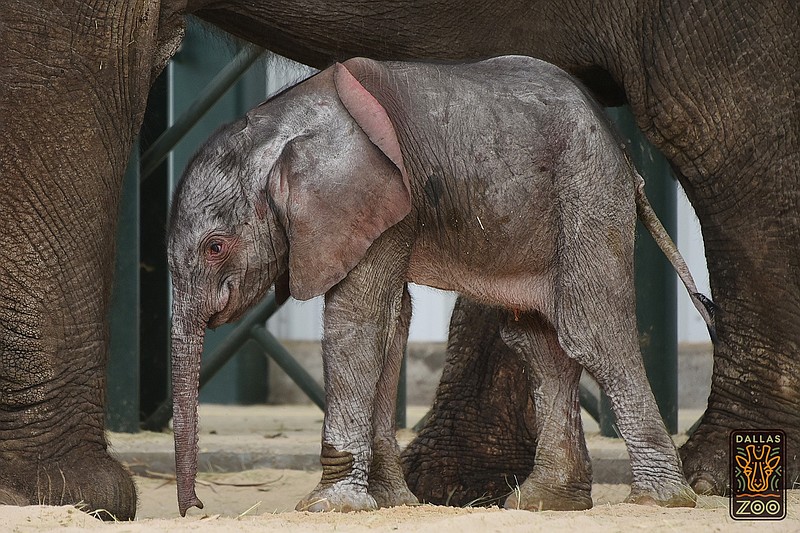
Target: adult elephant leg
738, 157
480, 439
73, 96
561, 479
754, 270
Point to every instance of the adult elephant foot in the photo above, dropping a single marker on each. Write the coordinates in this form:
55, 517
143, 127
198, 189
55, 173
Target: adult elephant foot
11, 497
479, 443
534, 496
770, 402
705, 460
705, 454
53, 449
93, 482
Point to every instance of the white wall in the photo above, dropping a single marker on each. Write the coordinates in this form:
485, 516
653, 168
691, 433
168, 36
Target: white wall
431, 315
282, 73
691, 327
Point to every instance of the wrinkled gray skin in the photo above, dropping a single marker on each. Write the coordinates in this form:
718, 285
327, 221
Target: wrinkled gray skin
499, 180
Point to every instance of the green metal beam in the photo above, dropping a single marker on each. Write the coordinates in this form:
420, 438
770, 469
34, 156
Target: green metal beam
226, 349
656, 302
402, 395
289, 364
212, 92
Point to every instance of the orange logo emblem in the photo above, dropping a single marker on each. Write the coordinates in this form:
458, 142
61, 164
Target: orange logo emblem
757, 475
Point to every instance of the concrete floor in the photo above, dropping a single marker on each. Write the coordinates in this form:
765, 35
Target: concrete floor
237, 438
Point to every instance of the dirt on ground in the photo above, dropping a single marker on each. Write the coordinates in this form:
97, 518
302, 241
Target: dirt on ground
252, 498
264, 500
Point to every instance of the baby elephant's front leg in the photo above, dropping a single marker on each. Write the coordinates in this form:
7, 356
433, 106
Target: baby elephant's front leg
359, 323
386, 481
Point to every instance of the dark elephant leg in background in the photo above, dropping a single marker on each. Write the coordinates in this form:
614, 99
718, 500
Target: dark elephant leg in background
480, 440
561, 479
72, 101
738, 157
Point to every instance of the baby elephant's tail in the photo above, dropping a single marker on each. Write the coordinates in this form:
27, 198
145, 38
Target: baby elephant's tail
644, 210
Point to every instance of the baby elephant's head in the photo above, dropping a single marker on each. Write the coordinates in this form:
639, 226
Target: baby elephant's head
298, 185
225, 244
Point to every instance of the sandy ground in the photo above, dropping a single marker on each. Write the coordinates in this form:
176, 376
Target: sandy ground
263, 499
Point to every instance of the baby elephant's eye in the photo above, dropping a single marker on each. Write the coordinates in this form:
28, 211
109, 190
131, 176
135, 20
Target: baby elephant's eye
215, 250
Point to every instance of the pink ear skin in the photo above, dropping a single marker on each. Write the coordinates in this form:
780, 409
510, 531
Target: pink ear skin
370, 116
332, 222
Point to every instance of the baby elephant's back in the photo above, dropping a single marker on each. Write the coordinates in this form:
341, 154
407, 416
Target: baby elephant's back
554, 99
513, 104
518, 114
571, 127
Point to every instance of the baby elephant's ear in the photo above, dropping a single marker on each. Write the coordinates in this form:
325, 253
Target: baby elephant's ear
368, 112
335, 206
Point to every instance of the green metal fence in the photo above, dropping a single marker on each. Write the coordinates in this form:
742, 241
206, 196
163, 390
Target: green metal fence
209, 82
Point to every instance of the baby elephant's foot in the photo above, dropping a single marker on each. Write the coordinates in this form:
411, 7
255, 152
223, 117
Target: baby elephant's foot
537, 497
392, 494
386, 481
674, 495
337, 497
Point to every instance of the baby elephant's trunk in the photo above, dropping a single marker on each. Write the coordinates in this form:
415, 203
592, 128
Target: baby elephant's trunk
188, 332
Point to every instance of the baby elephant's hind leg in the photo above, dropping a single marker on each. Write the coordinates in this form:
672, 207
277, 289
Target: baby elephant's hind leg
561, 478
596, 325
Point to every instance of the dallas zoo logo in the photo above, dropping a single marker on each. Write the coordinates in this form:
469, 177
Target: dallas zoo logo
757, 475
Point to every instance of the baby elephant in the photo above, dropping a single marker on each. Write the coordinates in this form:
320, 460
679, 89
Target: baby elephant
500, 180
